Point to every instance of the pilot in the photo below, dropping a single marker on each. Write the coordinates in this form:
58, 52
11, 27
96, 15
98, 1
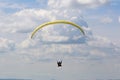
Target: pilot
59, 63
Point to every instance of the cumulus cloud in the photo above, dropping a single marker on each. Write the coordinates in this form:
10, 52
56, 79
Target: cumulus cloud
59, 40
95, 49
16, 24
62, 41
19, 21
76, 3
65, 41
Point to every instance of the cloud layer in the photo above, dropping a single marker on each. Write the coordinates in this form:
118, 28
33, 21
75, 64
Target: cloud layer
76, 3
71, 44
64, 39
60, 40
6, 45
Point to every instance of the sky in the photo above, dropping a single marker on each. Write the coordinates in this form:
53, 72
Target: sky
94, 56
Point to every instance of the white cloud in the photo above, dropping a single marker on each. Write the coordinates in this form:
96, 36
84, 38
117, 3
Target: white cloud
106, 20
95, 49
22, 21
65, 40
27, 44
76, 3
6, 45
59, 4
92, 2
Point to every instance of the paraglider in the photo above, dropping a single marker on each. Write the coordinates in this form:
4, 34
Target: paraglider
59, 63
56, 22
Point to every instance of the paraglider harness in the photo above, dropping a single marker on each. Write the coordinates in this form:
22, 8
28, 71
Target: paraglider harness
59, 63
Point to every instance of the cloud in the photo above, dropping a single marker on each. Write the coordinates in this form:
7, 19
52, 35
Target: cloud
53, 43
19, 21
52, 40
33, 17
95, 49
24, 20
106, 20
6, 45
76, 3
60, 40
93, 2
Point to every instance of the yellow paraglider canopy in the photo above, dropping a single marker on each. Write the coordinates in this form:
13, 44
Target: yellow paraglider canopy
56, 22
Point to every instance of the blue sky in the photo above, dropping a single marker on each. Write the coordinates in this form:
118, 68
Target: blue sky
90, 57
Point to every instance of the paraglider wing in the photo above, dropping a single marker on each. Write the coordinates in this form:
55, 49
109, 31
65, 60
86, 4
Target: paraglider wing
57, 22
